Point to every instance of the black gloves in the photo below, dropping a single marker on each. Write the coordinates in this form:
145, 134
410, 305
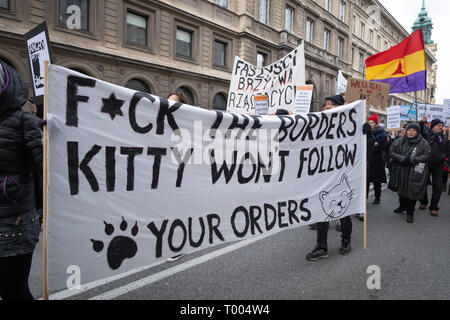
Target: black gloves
367, 129
406, 161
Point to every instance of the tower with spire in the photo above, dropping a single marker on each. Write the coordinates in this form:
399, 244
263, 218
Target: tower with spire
424, 22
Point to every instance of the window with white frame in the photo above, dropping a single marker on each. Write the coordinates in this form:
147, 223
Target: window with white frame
264, 11
184, 43
261, 59
342, 11
371, 37
378, 43
362, 31
222, 3
328, 5
326, 39
137, 29
289, 19
309, 30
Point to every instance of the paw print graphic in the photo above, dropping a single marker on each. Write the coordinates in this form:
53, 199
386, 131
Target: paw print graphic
120, 247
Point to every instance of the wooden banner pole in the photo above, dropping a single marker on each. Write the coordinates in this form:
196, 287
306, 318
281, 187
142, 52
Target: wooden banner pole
45, 289
365, 187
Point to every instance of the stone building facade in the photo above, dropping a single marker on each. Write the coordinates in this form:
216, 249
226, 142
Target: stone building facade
189, 46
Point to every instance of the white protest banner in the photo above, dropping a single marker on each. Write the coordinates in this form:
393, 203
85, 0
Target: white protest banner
303, 98
262, 105
432, 112
447, 111
134, 178
277, 81
39, 50
393, 117
341, 86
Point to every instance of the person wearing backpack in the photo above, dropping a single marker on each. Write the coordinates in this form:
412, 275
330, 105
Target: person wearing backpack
20, 152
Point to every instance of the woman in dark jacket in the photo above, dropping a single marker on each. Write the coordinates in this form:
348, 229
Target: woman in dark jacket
20, 152
376, 169
411, 154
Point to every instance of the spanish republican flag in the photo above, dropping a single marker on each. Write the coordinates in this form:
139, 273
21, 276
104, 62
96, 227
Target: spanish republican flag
402, 66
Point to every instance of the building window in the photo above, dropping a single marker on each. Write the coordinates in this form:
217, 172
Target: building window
222, 3
220, 102
342, 11
184, 43
353, 24
378, 43
261, 59
361, 62
340, 48
385, 45
289, 19
264, 11
188, 94
68, 7
328, 5
137, 29
353, 57
220, 53
309, 30
371, 37
138, 85
4, 4
326, 39
363, 30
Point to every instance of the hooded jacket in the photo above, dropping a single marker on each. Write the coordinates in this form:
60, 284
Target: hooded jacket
20, 146
412, 179
377, 172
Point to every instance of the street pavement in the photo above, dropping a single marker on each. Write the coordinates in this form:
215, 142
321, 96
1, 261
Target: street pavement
413, 260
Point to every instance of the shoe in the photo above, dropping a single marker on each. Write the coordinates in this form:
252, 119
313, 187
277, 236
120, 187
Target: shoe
175, 258
399, 210
376, 201
346, 247
409, 219
317, 254
360, 216
422, 206
313, 226
434, 213
338, 227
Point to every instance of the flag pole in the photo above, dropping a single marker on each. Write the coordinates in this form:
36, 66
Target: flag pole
44, 264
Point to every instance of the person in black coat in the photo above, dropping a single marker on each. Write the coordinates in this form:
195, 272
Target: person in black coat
376, 170
20, 152
440, 150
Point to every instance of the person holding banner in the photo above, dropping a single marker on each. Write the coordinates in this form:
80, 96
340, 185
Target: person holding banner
377, 172
411, 154
345, 224
178, 97
439, 152
20, 151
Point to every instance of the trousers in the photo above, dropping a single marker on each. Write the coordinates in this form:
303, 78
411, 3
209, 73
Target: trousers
322, 232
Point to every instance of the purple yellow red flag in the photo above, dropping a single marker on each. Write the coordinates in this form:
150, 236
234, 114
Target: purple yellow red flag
402, 66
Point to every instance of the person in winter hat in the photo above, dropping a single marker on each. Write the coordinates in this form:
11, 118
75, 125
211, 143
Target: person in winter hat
376, 173
440, 150
411, 154
20, 152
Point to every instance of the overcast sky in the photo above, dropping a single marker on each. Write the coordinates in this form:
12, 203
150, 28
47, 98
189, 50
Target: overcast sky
406, 11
